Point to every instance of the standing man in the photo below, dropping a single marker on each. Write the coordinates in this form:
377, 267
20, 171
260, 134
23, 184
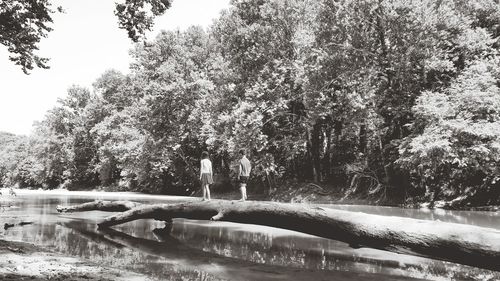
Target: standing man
244, 173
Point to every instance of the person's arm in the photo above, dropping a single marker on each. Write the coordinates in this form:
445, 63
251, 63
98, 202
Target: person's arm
201, 168
239, 168
211, 169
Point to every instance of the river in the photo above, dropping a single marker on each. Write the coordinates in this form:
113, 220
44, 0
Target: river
204, 250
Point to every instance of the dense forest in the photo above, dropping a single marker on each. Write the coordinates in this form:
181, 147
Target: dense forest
392, 98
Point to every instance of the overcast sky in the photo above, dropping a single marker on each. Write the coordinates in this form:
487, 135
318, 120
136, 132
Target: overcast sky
85, 42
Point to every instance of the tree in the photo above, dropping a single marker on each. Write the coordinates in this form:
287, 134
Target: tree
12, 153
457, 154
172, 70
261, 42
378, 98
24, 23
136, 17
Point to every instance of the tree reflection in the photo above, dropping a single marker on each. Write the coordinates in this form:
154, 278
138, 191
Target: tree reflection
208, 265
262, 245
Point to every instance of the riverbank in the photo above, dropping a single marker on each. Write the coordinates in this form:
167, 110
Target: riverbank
307, 193
298, 192
25, 261
319, 194
288, 193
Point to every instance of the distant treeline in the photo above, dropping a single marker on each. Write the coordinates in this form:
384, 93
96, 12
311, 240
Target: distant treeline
379, 97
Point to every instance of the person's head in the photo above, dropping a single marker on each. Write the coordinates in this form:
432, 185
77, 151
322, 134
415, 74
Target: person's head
204, 155
242, 152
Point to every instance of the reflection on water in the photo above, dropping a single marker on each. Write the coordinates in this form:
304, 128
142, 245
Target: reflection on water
483, 219
201, 250
262, 244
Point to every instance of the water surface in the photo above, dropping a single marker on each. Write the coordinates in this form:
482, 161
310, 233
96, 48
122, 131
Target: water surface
204, 250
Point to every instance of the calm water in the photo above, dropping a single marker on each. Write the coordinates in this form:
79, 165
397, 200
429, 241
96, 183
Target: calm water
203, 250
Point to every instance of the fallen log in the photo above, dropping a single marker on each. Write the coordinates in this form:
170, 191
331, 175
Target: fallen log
459, 243
107, 206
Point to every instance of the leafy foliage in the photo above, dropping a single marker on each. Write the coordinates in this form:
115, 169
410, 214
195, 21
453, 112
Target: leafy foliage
137, 16
374, 97
24, 23
459, 148
12, 151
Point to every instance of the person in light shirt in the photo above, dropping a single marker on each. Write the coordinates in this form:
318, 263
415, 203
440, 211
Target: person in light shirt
244, 174
206, 175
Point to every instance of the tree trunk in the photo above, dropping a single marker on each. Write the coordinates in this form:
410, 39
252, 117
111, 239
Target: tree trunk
310, 155
328, 151
465, 244
363, 142
315, 150
387, 179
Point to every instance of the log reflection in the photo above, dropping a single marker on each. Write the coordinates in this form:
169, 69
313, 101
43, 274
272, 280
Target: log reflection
181, 262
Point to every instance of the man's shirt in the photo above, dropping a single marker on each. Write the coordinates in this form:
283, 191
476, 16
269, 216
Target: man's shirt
245, 167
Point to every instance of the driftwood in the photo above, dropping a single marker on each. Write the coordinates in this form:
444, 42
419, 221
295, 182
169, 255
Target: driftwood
465, 244
107, 206
9, 225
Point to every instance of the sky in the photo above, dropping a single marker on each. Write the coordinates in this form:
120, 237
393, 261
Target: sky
85, 42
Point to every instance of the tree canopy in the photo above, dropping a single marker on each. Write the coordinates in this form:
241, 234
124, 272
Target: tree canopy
371, 97
24, 23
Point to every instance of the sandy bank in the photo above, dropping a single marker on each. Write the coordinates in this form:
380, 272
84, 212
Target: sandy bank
24, 261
